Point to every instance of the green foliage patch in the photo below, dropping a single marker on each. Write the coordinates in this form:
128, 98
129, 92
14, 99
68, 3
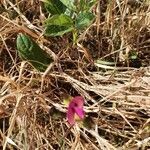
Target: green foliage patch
71, 16
30, 51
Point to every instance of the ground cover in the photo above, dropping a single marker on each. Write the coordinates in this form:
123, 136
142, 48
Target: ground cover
104, 58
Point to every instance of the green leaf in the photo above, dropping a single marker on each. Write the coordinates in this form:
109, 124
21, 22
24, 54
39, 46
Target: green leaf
58, 25
54, 6
59, 20
30, 51
83, 20
69, 4
54, 30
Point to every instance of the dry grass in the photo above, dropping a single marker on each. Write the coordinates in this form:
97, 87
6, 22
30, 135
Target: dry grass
32, 113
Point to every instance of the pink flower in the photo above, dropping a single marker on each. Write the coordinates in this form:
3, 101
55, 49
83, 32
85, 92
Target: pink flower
75, 108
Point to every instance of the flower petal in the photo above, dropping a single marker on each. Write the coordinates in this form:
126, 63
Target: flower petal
75, 108
79, 100
70, 115
79, 112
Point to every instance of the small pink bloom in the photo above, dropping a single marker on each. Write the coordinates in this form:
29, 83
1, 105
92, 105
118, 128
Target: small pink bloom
75, 108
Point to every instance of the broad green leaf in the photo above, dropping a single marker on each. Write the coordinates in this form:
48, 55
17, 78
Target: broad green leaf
59, 20
54, 6
58, 25
69, 4
55, 30
30, 51
83, 20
